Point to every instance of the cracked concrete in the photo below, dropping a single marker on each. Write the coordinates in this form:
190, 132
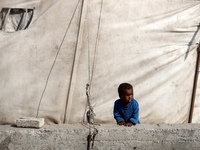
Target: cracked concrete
109, 137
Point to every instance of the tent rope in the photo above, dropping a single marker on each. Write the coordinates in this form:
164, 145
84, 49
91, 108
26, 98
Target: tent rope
47, 80
90, 113
90, 119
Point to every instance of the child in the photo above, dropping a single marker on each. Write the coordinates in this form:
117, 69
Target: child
126, 109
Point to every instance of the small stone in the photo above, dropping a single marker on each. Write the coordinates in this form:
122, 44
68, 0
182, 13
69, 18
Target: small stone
30, 122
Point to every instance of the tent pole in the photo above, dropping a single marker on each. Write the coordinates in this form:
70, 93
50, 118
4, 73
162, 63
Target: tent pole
195, 85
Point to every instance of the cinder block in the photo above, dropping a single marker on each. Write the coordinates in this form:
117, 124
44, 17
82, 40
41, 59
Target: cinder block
30, 122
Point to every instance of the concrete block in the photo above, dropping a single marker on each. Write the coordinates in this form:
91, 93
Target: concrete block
109, 137
30, 122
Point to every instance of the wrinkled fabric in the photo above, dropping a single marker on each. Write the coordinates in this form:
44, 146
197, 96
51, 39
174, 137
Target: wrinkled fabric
15, 19
152, 45
36, 63
20, 3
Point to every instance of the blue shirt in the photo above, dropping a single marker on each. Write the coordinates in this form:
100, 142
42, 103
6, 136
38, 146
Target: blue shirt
126, 114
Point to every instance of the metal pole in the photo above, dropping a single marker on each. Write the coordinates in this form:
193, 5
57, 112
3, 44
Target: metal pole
195, 85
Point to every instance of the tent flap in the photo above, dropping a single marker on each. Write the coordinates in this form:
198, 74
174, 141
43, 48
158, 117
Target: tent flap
152, 45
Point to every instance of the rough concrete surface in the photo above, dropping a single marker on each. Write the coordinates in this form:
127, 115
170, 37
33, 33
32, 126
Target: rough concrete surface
30, 122
109, 137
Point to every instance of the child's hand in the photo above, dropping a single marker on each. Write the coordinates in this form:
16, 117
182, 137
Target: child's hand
122, 123
129, 124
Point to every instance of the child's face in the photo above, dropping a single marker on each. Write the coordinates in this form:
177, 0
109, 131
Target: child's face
126, 97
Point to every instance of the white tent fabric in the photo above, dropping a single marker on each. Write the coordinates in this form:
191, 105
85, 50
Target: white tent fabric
152, 45
20, 3
36, 63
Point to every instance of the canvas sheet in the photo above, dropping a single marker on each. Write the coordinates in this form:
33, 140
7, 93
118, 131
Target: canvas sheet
36, 63
20, 3
152, 45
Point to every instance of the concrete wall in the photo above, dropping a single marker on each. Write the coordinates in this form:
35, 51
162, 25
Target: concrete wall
109, 137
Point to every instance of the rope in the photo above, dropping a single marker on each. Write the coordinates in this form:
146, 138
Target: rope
73, 64
90, 119
90, 113
96, 42
47, 80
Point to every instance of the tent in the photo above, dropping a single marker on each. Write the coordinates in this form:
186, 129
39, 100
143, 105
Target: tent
51, 49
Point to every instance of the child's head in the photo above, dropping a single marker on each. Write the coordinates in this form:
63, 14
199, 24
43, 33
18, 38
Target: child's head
125, 91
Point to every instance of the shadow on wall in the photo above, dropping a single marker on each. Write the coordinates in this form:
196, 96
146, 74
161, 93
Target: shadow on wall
14, 19
191, 41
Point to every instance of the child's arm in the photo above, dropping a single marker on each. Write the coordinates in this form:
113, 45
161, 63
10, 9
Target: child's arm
118, 117
135, 116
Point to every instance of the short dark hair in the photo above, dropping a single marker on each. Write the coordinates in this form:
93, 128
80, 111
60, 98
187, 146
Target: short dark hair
124, 86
